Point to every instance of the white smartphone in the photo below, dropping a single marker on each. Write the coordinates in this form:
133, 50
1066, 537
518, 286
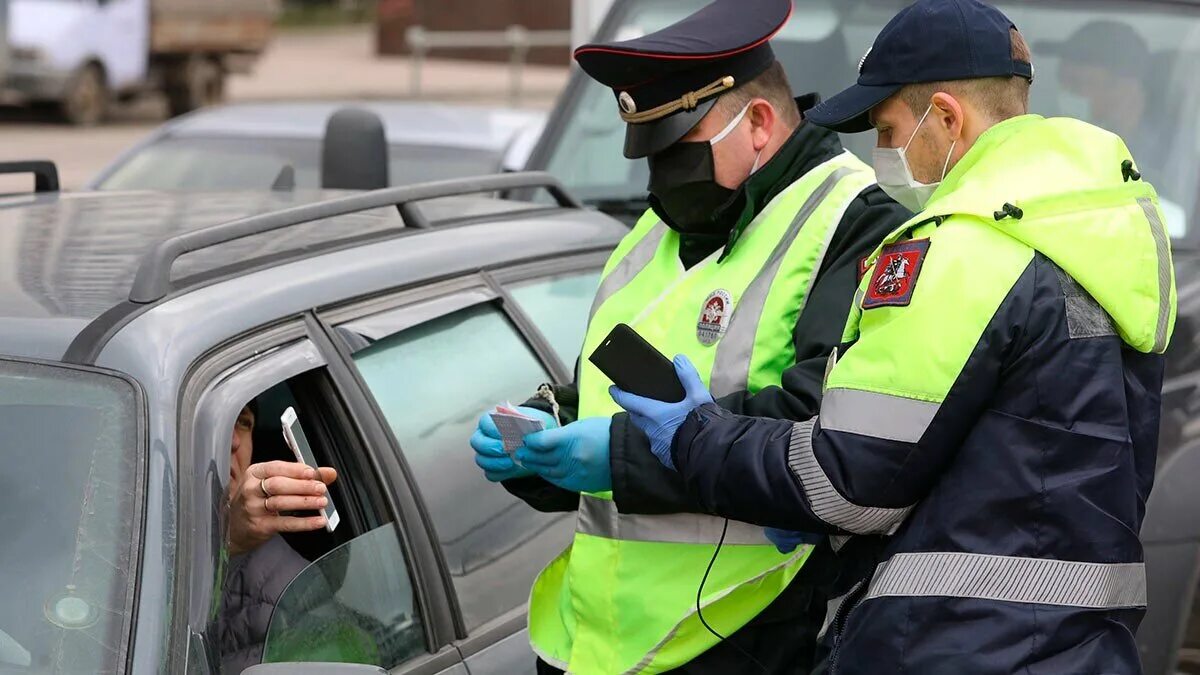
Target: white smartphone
293, 435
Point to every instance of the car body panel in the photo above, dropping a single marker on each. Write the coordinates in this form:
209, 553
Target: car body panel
294, 287
65, 259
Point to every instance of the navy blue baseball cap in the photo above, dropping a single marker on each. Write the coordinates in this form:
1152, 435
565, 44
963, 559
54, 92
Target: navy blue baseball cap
929, 41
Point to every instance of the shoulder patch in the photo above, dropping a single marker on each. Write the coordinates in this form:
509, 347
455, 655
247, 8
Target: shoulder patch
896, 272
864, 264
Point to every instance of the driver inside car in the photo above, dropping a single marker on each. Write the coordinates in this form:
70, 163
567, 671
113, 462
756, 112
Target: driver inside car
261, 564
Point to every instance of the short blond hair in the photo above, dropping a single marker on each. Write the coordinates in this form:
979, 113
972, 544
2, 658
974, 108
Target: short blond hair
1000, 98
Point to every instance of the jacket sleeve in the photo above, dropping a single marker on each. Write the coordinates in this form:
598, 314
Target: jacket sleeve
868, 457
870, 218
536, 491
641, 484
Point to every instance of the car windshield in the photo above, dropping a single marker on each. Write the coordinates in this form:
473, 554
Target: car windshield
68, 505
1153, 102
194, 163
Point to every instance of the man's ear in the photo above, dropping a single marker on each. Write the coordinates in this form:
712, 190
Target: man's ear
948, 113
763, 122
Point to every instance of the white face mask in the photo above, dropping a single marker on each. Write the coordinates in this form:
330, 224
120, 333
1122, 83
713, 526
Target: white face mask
895, 176
729, 129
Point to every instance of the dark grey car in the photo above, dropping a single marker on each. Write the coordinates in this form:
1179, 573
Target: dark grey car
134, 327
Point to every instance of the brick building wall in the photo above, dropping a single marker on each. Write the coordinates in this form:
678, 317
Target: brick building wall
395, 16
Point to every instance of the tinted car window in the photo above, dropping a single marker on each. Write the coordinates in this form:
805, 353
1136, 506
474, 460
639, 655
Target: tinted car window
249, 163
67, 509
432, 383
559, 306
354, 605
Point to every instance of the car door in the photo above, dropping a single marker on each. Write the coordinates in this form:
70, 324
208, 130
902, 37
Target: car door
434, 359
374, 594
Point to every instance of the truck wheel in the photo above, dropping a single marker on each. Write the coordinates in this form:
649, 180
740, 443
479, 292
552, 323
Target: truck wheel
199, 82
85, 102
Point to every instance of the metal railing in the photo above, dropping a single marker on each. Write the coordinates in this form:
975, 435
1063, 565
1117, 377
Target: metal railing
517, 39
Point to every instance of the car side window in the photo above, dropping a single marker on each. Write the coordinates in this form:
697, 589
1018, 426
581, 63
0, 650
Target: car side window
432, 381
354, 605
559, 305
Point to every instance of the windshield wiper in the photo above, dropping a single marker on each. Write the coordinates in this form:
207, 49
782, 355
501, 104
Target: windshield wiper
620, 206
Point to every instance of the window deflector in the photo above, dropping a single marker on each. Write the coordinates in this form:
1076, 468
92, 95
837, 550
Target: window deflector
219, 406
360, 333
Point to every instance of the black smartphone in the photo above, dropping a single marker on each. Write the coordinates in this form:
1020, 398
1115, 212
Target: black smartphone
636, 366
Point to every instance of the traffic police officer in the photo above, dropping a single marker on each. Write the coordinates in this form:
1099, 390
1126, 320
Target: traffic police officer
995, 403
747, 261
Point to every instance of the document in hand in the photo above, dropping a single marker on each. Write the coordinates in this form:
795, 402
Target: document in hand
514, 427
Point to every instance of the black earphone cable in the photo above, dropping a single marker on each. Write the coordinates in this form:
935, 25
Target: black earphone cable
700, 594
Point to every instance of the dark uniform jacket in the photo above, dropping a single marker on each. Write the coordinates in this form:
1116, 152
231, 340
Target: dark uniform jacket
783, 636
1015, 507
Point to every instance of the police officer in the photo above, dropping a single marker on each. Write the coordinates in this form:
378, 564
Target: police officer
995, 403
747, 261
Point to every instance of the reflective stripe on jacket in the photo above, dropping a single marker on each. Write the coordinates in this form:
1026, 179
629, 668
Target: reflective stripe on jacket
995, 408
606, 605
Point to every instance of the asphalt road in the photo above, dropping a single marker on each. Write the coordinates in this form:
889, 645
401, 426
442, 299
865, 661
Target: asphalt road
309, 64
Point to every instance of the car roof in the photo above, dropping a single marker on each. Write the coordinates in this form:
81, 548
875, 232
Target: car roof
405, 122
70, 258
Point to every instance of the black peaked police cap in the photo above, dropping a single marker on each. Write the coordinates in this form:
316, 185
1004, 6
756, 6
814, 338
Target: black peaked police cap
667, 81
929, 41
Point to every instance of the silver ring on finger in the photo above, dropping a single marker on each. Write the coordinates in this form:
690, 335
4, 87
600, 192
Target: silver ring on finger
262, 485
267, 505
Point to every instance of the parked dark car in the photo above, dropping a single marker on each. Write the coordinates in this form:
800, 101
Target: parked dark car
1151, 97
135, 326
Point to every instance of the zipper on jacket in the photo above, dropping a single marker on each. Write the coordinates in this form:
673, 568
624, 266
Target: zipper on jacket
839, 621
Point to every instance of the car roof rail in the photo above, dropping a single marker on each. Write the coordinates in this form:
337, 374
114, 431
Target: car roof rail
153, 279
45, 173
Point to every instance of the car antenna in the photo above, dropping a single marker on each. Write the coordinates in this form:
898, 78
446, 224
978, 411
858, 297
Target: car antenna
286, 180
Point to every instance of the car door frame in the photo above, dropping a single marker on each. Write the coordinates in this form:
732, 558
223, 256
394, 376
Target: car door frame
488, 286
205, 375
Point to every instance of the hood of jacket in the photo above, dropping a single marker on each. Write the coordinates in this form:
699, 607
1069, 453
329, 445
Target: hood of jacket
1080, 207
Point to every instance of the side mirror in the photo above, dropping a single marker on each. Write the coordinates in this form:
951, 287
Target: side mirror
313, 669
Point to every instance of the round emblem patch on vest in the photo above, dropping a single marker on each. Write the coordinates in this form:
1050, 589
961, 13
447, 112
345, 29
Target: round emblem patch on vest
714, 317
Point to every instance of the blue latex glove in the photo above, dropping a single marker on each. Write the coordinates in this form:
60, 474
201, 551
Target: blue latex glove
489, 449
660, 420
787, 540
574, 457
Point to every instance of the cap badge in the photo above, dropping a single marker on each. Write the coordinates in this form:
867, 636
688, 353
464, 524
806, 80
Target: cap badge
714, 317
863, 60
627, 105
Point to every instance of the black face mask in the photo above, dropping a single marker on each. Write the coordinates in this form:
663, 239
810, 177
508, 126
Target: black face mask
683, 184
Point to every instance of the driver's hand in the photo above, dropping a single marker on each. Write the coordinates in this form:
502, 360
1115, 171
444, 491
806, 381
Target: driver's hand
254, 516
